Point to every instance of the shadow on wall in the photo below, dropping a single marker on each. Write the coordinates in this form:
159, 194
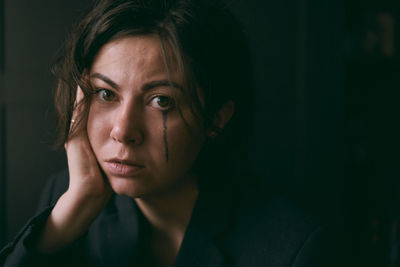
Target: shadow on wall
372, 129
33, 32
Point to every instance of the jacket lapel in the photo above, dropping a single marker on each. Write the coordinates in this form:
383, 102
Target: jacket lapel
210, 223
117, 231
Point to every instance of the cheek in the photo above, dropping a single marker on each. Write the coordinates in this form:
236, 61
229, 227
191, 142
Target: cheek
98, 125
183, 143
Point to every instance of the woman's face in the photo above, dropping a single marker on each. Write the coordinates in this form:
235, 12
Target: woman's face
137, 134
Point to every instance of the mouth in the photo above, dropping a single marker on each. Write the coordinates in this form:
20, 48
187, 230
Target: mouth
123, 168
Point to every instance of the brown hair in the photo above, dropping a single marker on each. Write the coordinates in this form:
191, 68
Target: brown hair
206, 42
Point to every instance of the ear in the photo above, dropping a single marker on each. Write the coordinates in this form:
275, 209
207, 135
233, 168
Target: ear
221, 118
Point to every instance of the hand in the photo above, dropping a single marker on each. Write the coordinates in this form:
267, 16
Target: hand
86, 177
86, 197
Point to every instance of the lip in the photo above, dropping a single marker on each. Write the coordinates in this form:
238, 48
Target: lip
123, 168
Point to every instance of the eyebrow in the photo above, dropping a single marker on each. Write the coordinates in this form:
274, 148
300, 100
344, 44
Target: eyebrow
105, 79
147, 87
153, 84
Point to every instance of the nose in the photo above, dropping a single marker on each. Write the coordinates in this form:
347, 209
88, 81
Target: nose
127, 125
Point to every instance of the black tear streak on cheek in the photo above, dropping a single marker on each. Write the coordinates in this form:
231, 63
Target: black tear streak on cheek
164, 115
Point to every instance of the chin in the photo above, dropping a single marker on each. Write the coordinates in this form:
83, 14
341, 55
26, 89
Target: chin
127, 187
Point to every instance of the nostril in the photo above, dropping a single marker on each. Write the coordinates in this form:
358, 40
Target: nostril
127, 127
131, 137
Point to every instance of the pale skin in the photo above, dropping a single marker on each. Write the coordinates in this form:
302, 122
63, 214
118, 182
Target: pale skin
137, 138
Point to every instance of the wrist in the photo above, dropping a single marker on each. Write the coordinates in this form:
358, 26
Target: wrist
81, 195
69, 220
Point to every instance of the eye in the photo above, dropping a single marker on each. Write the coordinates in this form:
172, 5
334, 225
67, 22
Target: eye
162, 102
105, 94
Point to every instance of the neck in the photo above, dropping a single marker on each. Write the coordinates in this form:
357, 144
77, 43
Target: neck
169, 213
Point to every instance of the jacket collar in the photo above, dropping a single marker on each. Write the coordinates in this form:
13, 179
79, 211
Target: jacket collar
121, 224
118, 233
210, 223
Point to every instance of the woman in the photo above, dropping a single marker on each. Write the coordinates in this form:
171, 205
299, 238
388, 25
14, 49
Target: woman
153, 102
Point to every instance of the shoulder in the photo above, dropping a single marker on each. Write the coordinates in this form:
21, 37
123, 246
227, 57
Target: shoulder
255, 198
270, 213
270, 228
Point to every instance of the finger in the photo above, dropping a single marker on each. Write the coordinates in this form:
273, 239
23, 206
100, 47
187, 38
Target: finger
78, 108
78, 102
79, 95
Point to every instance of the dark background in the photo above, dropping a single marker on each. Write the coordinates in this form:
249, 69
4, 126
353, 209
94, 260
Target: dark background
325, 110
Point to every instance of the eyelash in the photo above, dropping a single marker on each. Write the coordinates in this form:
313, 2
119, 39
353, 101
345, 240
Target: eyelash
170, 104
101, 90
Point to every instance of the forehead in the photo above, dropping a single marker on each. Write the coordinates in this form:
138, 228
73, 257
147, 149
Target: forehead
130, 53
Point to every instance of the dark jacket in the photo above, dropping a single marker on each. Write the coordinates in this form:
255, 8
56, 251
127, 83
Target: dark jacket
239, 224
